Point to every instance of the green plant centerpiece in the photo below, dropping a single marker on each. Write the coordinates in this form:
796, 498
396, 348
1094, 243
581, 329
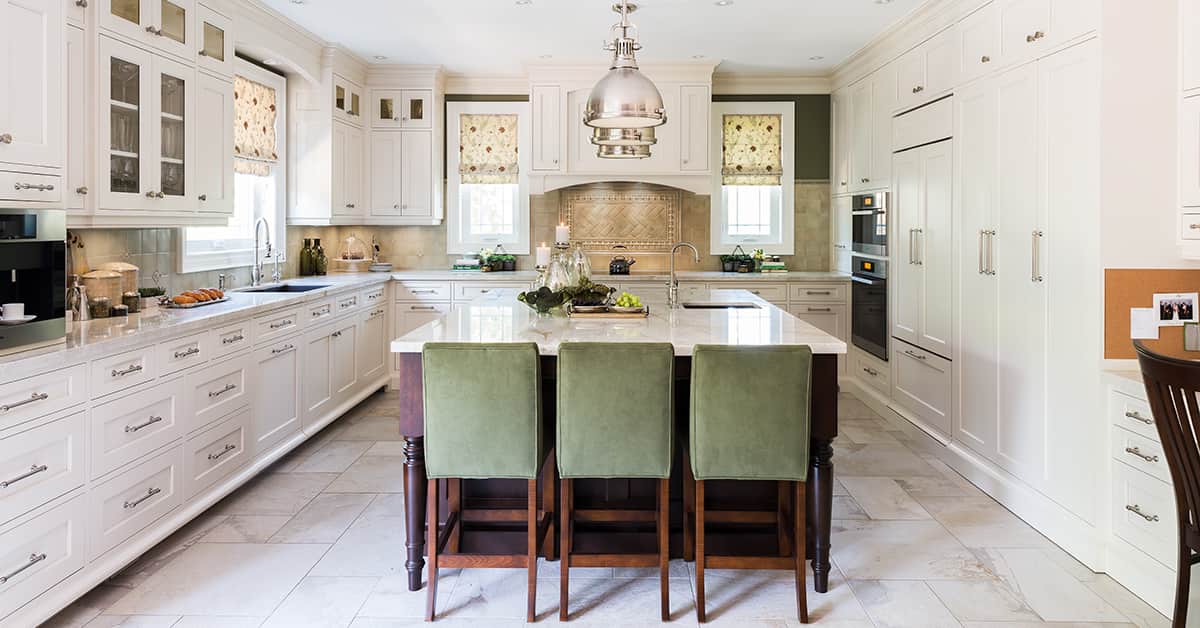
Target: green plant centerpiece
543, 299
588, 293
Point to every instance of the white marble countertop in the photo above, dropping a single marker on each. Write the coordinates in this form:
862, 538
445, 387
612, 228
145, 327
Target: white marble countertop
499, 317
684, 275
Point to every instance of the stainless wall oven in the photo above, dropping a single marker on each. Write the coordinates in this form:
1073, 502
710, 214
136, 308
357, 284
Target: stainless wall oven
33, 278
869, 306
869, 218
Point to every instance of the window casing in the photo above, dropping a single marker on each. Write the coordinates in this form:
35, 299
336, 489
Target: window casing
492, 209
259, 190
757, 212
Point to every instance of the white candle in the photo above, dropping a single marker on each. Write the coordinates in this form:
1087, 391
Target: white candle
543, 255
562, 234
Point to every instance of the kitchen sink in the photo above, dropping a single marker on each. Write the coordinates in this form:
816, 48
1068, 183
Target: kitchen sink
286, 287
720, 306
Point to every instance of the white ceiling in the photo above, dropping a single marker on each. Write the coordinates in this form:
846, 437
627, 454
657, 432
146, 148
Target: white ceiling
499, 36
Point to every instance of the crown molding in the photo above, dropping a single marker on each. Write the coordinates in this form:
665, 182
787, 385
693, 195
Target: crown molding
486, 84
730, 84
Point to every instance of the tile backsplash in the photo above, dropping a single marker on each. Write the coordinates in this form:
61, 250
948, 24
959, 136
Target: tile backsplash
152, 251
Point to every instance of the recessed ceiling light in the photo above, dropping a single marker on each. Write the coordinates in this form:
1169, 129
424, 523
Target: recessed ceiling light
270, 62
522, 3
697, 56
723, 3
380, 58
883, 1
298, 1
815, 58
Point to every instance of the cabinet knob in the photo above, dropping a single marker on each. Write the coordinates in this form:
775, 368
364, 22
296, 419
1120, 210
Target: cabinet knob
81, 190
1034, 37
154, 31
204, 197
554, 161
395, 119
83, 4
985, 59
350, 205
918, 89
6, 138
396, 206
202, 53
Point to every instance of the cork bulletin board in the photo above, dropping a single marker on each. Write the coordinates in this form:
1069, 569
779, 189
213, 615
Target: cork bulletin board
1135, 287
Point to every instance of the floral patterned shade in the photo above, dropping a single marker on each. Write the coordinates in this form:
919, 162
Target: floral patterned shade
751, 150
487, 148
254, 140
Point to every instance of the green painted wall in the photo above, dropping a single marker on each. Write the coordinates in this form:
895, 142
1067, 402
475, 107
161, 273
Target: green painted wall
812, 130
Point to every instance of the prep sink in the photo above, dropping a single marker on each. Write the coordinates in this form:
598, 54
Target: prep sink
719, 306
286, 287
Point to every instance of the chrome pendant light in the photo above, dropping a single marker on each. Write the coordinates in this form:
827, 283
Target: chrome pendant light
624, 106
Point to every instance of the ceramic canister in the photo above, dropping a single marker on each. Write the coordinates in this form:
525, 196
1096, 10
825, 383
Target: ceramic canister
129, 276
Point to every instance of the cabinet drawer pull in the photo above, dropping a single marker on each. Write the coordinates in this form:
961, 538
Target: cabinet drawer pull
318, 312
818, 292
870, 371
83, 4
81, 190
1137, 510
423, 308
283, 349
1137, 416
281, 324
33, 560
348, 304
218, 393
1194, 226
150, 493
228, 448
377, 313
1137, 452
17, 404
6, 138
918, 89
33, 470
186, 354
913, 354
336, 334
1029, 39
820, 309
40, 187
423, 291
232, 339
129, 429
1036, 274
133, 368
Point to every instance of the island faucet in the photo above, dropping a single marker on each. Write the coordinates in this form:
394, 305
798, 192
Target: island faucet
256, 273
673, 286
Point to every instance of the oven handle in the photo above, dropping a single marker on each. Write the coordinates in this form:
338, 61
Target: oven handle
869, 282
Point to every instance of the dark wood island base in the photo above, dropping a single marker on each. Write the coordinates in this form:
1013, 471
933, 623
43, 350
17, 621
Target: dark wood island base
483, 535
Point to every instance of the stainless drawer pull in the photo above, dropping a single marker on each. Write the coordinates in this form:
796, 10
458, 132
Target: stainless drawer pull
6, 138
40, 187
317, 313
424, 308
1136, 416
33, 560
1137, 452
133, 368
915, 355
985, 59
34, 470
377, 313
83, 4
1036, 275
129, 429
415, 291
228, 448
281, 324
1194, 226
817, 292
336, 334
820, 309
1029, 39
17, 404
150, 493
1137, 510
185, 354
232, 339
283, 349
218, 393
870, 371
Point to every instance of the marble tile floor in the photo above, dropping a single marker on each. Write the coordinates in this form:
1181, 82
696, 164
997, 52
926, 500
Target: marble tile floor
318, 541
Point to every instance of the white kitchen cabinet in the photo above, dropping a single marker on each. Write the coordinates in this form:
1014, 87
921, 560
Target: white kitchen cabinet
401, 109
216, 452
402, 175
1189, 44
275, 383
31, 81
133, 499
49, 548
872, 101
929, 70
1030, 28
215, 50
664, 155
921, 385
840, 108
416, 176
843, 233
546, 104
1189, 152
78, 12
373, 342
214, 145
347, 170
828, 317
861, 124
166, 25
77, 177
41, 464
343, 362
347, 100
695, 108
317, 389
980, 49
922, 211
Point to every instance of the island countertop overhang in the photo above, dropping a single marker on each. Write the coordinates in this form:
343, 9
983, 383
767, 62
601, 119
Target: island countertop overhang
499, 317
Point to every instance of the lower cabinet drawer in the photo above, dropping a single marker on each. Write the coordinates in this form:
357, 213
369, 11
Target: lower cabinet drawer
40, 553
1140, 452
1144, 513
874, 373
32, 397
776, 293
216, 452
921, 384
122, 506
40, 464
471, 291
32, 188
232, 338
277, 324
818, 292
218, 390
373, 296
181, 353
118, 372
423, 291
128, 428
1132, 414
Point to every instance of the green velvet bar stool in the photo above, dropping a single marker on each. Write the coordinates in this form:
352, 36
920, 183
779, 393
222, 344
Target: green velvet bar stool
749, 420
615, 408
483, 419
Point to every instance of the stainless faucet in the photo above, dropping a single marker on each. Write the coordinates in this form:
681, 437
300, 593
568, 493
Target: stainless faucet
673, 287
256, 273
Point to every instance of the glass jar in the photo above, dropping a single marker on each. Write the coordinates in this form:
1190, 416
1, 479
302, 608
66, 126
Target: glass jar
558, 274
583, 265
99, 307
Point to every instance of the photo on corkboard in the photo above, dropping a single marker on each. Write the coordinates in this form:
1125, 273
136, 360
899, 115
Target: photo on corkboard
1175, 309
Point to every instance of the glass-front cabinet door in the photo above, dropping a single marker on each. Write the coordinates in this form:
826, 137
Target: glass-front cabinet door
347, 100
215, 49
385, 108
126, 96
416, 109
164, 24
173, 83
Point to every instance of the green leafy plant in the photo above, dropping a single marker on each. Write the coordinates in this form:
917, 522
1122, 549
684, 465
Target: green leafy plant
147, 293
543, 299
588, 293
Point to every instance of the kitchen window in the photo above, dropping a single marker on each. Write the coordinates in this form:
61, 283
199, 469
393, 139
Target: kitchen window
487, 176
259, 183
754, 206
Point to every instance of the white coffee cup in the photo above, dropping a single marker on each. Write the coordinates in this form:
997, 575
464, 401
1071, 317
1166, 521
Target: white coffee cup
14, 311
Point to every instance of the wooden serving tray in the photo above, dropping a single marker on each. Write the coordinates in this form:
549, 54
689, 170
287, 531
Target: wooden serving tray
169, 304
608, 314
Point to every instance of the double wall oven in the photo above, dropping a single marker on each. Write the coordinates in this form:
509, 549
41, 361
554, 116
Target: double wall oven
869, 297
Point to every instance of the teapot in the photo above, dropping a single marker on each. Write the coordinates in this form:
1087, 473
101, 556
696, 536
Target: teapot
619, 265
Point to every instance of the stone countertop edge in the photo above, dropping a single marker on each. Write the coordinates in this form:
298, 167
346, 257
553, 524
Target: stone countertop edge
683, 275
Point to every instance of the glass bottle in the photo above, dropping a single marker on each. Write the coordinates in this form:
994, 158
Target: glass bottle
558, 274
320, 262
583, 266
306, 261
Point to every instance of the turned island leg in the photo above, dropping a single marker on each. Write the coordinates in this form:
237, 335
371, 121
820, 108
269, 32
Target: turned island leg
414, 509
820, 509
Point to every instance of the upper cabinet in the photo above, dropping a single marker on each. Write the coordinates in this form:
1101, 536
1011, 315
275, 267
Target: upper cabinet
401, 109
928, 71
840, 125
695, 102
347, 100
165, 25
215, 41
214, 146
866, 113
31, 84
1189, 43
981, 49
1030, 28
546, 104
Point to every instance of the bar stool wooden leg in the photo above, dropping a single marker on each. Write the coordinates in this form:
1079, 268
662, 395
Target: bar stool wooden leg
549, 486
781, 509
432, 545
454, 500
700, 551
689, 509
564, 546
664, 547
532, 552
799, 524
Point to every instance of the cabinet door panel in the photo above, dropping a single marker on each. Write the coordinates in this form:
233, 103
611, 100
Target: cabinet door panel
936, 248
1020, 23
174, 31
385, 174
343, 204
547, 126
175, 133
695, 107
843, 233
31, 82
883, 103
214, 145
416, 165
943, 62
276, 407
317, 374
344, 359
417, 109
906, 273
861, 115
125, 130
841, 141
373, 339
980, 36
353, 171
214, 41
127, 17
910, 78
385, 108
79, 151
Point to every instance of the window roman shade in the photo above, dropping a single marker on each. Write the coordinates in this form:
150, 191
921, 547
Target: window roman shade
254, 139
751, 150
487, 146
